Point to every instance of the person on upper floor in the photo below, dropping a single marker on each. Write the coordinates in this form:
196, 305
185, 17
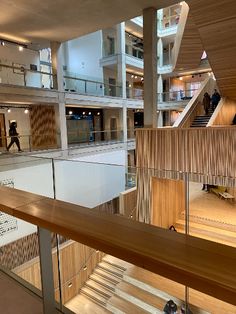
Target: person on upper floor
206, 102
215, 98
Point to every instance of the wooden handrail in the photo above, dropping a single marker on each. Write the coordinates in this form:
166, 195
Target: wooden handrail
200, 264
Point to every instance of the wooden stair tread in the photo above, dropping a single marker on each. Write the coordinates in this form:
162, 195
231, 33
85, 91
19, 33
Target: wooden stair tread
106, 275
206, 228
94, 295
98, 287
111, 269
141, 294
110, 285
83, 305
125, 306
117, 261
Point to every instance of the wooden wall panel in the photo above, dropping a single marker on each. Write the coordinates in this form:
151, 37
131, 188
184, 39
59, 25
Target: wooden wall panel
207, 155
216, 24
226, 112
188, 48
43, 127
127, 202
73, 257
168, 201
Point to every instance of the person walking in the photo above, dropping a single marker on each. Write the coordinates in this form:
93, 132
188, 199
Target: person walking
14, 137
206, 102
215, 98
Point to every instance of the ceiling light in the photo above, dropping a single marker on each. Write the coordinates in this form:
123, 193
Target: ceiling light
132, 76
141, 78
70, 112
83, 112
89, 113
21, 48
181, 79
26, 111
9, 110
98, 113
130, 85
135, 77
2, 43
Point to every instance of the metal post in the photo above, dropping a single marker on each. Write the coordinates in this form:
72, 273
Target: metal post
46, 269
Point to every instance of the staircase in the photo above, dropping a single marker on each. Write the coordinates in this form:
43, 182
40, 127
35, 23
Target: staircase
118, 287
201, 121
209, 229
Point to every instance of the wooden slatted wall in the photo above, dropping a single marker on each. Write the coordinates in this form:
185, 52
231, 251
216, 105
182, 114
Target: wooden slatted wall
207, 155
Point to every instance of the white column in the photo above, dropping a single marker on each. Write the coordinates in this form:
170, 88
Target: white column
124, 123
160, 89
160, 18
61, 121
150, 67
160, 119
121, 65
57, 65
160, 52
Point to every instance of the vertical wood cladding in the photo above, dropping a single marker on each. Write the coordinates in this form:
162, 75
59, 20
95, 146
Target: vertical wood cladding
43, 127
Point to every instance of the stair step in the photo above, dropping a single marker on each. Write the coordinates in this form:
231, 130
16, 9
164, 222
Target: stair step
100, 289
94, 296
106, 275
103, 282
118, 305
142, 298
121, 268
111, 269
116, 261
208, 232
83, 305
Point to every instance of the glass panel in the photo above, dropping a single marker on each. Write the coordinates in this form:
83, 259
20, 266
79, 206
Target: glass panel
212, 212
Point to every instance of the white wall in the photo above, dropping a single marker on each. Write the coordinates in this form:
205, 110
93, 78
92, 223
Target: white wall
81, 57
32, 177
10, 54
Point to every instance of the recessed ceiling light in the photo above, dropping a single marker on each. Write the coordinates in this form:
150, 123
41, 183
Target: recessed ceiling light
70, 112
9, 110
21, 48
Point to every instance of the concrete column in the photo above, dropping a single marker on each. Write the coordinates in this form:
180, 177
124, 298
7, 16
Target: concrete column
46, 269
160, 119
160, 52
57, 65
150, 67
160, 89
121, 65
160, 18
61, 122
124, 123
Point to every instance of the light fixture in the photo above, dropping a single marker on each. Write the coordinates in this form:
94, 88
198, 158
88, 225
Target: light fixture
141, 78
89, 113
3, 43
26, 111
70, 112
181, 79
83, 112
130, 85
21, 48
8, 110
209, 73
132, 76
98, 113
135, 77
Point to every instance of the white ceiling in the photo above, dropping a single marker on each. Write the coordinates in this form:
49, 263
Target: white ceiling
40, 21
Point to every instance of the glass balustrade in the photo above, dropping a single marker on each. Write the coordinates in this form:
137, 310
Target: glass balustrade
176, 201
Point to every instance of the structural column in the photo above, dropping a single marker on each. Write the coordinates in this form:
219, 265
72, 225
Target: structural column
124, 123
121, 65
150, 67
160, 89
58, 83
57, 65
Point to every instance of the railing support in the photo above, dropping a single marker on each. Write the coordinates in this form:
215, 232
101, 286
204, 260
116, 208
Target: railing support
46, 269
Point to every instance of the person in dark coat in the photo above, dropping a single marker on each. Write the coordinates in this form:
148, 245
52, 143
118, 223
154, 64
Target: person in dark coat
14, 137
206, 102
215, 98
170, 307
